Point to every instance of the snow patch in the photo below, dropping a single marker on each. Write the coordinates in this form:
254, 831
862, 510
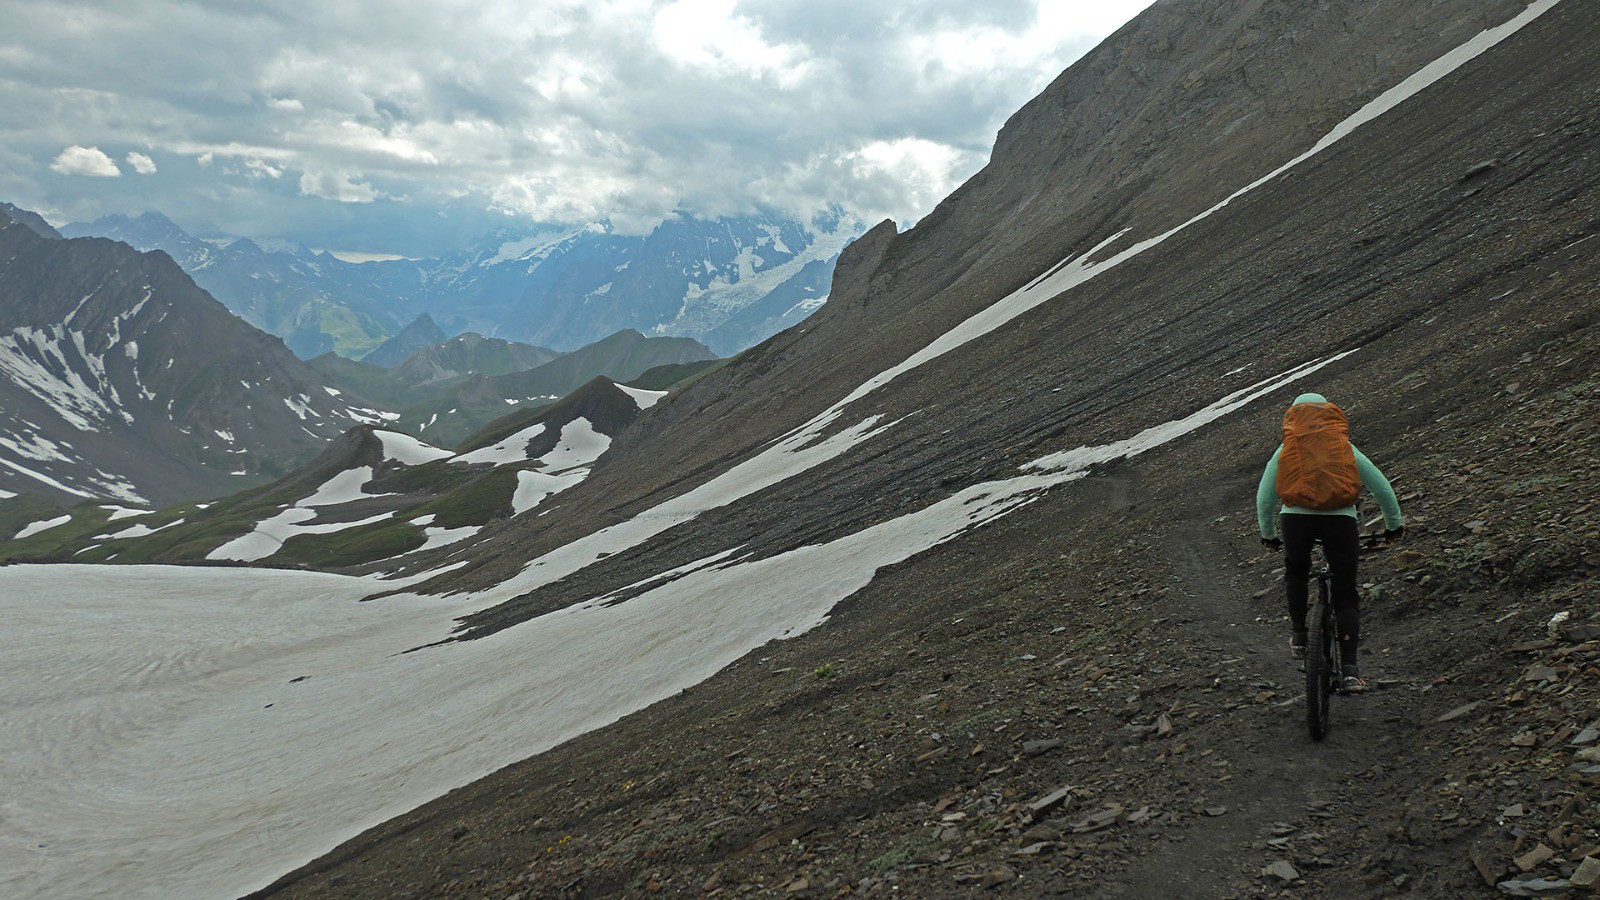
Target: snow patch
534, 487
270, 534
407, 450
579, 445
644, 399
341, 488
512, 449
46, 479
43, 525
439, 537
138, 530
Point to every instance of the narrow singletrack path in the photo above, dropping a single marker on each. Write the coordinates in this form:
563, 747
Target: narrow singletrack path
1283, 784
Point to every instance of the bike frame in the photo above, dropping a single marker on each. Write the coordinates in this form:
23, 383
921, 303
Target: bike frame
1324, 664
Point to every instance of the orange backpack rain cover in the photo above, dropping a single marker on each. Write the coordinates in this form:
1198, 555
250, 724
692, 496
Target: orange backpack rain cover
1317, 468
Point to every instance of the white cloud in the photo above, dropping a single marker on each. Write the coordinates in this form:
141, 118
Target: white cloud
76, 160
336, 186
927, 171
142, 164
621, 109
706, 34
260, 168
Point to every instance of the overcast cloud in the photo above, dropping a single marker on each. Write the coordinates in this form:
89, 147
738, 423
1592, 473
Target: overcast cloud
406, 126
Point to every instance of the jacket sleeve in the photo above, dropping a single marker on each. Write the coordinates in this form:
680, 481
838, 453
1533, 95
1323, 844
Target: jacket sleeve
1373, 480
1267, 497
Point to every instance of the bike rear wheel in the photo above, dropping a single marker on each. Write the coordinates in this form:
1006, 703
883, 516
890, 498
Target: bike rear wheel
1320, 671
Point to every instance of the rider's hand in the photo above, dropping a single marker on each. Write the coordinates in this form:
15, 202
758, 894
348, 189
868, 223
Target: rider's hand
1272, 543
1394, 535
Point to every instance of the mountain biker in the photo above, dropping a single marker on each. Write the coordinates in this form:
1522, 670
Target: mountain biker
1336, 529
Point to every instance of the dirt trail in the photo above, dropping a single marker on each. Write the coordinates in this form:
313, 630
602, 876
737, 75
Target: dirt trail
1277, 770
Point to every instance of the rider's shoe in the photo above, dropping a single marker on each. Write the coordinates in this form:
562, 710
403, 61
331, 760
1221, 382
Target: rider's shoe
1351, 681
1297, 645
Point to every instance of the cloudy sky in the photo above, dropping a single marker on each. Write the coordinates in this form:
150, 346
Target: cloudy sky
411, 126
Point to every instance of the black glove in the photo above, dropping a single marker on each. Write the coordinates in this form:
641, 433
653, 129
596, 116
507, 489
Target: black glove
1394, 535
1272, 543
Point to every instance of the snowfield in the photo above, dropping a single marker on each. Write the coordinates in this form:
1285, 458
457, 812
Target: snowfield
172, 732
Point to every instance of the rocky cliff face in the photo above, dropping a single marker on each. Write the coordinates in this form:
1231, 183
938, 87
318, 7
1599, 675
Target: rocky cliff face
1010, 468
122, 380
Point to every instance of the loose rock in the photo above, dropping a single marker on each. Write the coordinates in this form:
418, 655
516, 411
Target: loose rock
1534, 858
1588, 874
1281, 870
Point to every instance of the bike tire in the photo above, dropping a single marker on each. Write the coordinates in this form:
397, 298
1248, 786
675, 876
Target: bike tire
1320, 671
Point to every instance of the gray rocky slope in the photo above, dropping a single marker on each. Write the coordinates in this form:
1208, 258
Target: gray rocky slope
1437, 261
121, 380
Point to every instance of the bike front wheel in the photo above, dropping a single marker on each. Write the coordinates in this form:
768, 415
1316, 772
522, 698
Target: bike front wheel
1320, 671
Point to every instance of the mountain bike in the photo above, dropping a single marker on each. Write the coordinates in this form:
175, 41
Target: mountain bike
1324, 664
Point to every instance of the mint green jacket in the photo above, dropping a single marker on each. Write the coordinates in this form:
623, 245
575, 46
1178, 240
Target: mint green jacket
1371, 479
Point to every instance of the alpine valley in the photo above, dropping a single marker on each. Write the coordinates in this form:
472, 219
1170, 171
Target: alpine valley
953, 588
728, 283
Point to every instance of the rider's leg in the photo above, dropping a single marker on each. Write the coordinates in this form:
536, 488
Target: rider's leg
1298, 534
1340, 542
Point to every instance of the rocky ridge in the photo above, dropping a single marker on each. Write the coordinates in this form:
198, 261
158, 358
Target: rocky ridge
122, 380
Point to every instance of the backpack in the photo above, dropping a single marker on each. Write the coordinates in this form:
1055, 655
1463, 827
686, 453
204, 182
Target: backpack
1317, 466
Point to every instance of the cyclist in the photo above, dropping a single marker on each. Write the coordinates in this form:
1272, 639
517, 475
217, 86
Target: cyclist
1336, 529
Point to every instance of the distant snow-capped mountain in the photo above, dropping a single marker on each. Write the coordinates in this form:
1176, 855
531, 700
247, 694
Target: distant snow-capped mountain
728, 282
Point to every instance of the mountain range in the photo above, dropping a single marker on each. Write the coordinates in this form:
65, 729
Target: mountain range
123, 381
727, 282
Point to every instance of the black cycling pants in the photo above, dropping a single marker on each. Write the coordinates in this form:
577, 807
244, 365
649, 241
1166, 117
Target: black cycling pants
1341, 546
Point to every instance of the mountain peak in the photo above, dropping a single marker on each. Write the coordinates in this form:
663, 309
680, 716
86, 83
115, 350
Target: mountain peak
422, 332
30, 220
